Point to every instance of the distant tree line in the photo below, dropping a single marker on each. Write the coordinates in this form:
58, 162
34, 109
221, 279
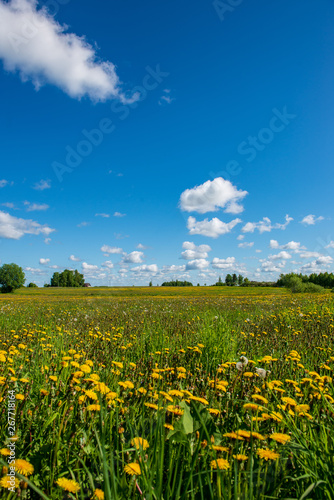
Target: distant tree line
67, 279
233, 280
177, 283
325, 280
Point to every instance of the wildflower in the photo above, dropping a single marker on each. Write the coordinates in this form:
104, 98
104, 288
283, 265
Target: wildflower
220, 463
280, 438
98, 494
23, 467
248, 374
53, 378
268, 454
289, 401
233, 435
85, 368
140, 443
213, 411
220, 448
261, 372
240, 457
6, 482
133, 469
152, 406
257, 397
93, 407
175, 410
252, 406
91, 395
5, 452
169, 426
68, 484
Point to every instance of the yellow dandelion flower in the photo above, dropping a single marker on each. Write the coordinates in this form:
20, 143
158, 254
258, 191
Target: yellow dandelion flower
132, 469
169, 426
268, 454
220, 463
240, 457
280, 438
175, 410
91, 395
5, 452
152, 406
248, 374
98, 494
7, 482
213, 411
68, 484
289, 401
93, 407
252, 407
23, 467
19, 397
257, 397
85, 368
219, 448
140, 443
175, 392
233, 435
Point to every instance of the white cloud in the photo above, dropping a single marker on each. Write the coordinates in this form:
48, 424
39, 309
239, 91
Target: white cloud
119, 214
141, 247
268, 266
211, 196
108, 264
194, 252
44, 261
211, 228
14, 228
309, 255
134, 257
197, 264
83, 224
102, 215
316, 265
240, 237
73, 258
47, 240
173, 269
246, 245
265, 225
34, 44
41, 185
107, 249
3, 183
274, 244
330, 245
280, 256
310, 220
223, 263
33, 207
89, 267
34, 270
8, 204
151, 268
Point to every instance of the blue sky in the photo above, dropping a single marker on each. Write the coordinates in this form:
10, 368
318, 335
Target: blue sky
159, 140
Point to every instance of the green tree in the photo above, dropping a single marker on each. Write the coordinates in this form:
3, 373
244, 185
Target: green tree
240, 280
11, 277
68, 279
32, 285
235, 279
229, 280
150, 283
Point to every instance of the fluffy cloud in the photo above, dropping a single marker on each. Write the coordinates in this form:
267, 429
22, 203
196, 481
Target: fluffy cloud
310, 220
34, 44
89, 267
3, 183
268, 266
107, 249
14, 228
151, 268
73, 258
265, 225
141, 247
34, 270
194, 252
197, 264
280, 256
294, 246
119, 214
211, 196
134, 257
44, 261
211, 228
33, 207
108, 264
173, 269
330, 245
41, 185
223, 263
246, 245
316, 265
309, 255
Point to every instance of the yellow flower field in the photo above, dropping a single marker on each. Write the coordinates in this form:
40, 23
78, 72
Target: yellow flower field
184, 396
